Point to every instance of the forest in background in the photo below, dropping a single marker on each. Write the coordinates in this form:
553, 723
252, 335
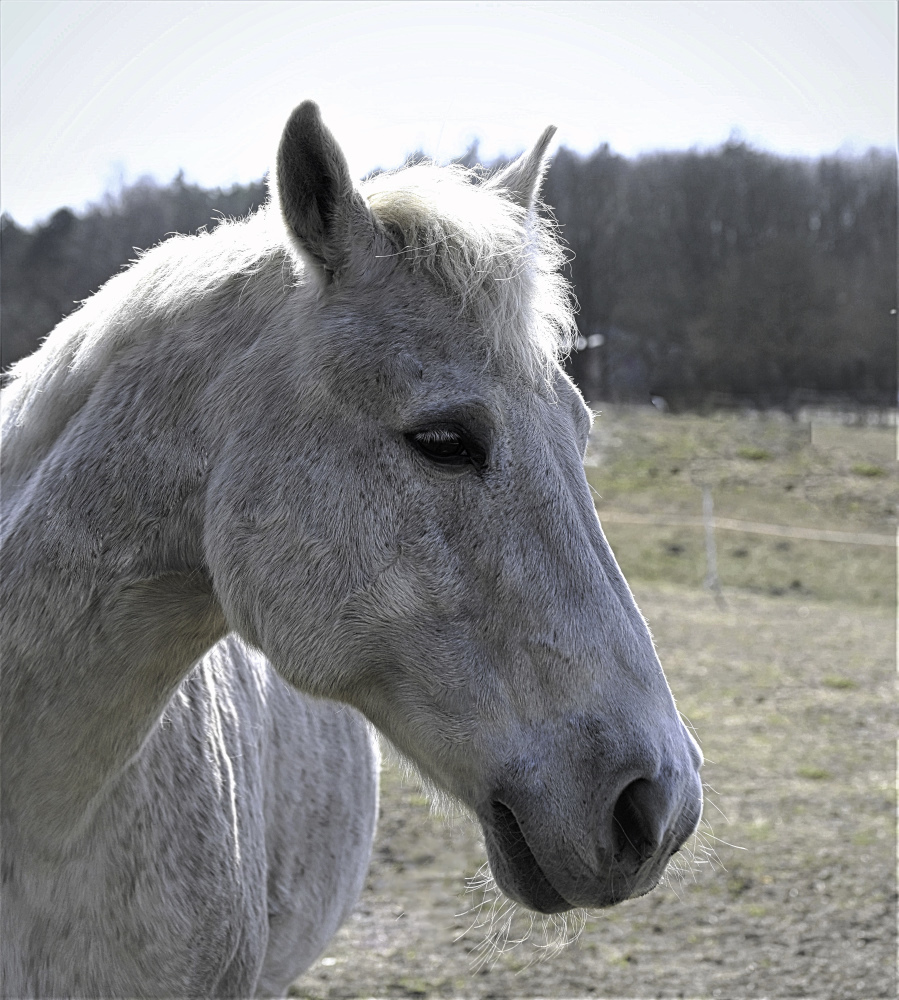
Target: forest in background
708, 278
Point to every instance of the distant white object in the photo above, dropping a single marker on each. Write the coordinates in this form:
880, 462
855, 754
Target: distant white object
660, 403
594, 340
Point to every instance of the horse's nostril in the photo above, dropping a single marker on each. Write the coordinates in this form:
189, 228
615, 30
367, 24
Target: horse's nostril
638, 820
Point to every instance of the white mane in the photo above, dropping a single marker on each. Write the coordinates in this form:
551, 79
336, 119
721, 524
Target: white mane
169, 283
499, 262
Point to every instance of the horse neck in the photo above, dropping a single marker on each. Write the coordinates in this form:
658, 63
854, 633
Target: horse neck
105, 595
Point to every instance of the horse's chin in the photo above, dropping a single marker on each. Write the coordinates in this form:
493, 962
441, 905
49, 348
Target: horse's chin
516, 870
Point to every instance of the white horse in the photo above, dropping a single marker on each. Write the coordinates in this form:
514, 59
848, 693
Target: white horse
312, 468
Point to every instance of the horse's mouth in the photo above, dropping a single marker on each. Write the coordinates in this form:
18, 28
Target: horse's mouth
516, 870
636, 868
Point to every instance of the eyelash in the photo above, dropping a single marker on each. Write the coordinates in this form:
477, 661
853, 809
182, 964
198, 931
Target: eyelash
449, 446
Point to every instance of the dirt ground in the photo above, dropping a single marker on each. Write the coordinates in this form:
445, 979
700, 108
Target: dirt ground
791, 888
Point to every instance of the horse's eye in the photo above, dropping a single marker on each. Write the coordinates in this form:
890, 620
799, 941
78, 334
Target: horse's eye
448, 446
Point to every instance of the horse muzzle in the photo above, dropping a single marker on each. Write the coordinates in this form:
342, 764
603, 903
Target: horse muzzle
551, 862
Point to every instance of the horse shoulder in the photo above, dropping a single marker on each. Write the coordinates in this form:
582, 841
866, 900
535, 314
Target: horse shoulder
297, 780
242, 829
321, 789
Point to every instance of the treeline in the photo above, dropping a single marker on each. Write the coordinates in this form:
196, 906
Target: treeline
705, 278
734, 274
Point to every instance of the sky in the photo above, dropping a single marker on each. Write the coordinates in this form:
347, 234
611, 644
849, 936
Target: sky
94, 95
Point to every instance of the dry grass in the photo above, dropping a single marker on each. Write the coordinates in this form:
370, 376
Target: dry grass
795, 712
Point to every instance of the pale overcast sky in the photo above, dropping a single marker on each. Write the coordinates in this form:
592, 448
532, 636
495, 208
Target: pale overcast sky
94, 93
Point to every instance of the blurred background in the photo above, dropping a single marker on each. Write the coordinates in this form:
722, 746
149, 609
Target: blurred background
725, 177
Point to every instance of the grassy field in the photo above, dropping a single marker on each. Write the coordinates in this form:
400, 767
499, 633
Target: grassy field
759, 470
791, 690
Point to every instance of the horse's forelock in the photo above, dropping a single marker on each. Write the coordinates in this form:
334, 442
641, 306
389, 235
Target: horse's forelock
499, 261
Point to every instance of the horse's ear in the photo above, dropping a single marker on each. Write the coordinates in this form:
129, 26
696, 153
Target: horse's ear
521, 180
320, 205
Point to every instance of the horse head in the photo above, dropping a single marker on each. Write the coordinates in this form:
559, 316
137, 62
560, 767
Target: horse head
399, 518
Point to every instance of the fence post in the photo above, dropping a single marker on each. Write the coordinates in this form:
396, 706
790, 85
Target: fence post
711, 559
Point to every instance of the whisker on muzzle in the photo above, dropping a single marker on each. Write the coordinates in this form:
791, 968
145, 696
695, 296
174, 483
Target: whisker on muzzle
504, 925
